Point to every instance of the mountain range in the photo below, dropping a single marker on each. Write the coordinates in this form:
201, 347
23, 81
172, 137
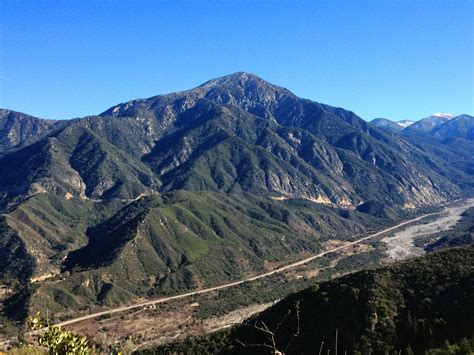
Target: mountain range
439, 125
195, 188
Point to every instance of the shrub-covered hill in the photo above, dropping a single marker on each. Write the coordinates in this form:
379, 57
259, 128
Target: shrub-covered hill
158, 244
412, 307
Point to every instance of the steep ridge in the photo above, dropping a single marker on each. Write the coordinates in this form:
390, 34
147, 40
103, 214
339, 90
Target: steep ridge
73, 160
439, 125
354, 147
16, 128
447, 137
461, 126
386, 124
427, 124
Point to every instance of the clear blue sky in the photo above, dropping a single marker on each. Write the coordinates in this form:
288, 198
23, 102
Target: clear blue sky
395, 59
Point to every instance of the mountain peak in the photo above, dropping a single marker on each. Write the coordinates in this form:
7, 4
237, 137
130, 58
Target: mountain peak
241, 88
242, 81
238, 77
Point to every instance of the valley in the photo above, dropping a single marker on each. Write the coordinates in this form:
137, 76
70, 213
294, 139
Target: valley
155, 322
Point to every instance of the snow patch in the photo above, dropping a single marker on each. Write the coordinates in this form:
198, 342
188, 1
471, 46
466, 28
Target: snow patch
405, 123
445, 115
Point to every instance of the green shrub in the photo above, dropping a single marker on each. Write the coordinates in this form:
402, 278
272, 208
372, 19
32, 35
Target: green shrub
58, 341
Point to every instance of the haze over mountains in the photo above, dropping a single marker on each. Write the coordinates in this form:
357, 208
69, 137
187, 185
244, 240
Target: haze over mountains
199, 187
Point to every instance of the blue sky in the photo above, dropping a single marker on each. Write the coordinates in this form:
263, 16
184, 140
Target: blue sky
395, 59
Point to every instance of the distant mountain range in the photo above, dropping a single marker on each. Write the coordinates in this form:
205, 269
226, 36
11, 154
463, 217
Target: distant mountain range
196, 188
441, 125
391, 126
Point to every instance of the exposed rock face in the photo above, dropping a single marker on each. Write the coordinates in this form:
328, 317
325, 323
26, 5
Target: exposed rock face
444, 136
322, 147
16, 128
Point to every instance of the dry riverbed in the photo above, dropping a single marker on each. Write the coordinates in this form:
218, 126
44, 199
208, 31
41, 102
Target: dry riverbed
402, 244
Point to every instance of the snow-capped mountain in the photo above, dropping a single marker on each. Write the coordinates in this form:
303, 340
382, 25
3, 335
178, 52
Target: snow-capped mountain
429, 123
441, 125
391, 126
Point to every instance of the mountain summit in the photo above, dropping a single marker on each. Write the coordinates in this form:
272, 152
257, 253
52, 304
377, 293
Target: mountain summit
246, 90
391, 126
429, 123
246, 82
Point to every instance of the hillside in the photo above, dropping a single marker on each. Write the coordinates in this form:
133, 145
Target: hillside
461, 126
17, 128
448, 137
415, 305
197, 188
161, 245
429, 123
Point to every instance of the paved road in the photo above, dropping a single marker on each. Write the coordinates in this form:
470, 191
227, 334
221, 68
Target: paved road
236, 283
